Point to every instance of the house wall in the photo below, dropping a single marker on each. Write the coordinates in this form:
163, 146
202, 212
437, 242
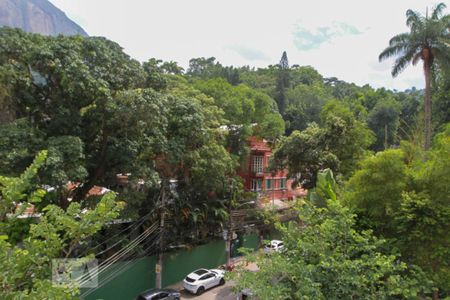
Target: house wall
261, 148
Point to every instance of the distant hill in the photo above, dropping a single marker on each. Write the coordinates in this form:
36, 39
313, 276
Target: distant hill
38, 16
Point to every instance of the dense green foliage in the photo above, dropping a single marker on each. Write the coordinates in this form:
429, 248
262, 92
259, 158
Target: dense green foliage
25, 267
327, 257
151, 129
338, 143
407, 201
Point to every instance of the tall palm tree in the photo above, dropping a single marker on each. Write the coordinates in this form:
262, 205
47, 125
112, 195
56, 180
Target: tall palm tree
428, 40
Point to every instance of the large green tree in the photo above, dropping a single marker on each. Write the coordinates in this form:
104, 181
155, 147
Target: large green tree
303, 105
338, 143
26, 265
428, 41
404, 199
282, 83
375, 190
384, 120
244, 106
100, 113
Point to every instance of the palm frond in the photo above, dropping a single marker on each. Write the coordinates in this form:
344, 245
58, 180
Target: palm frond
402, 62
446, 23
438, 11
414, 20
425, 33
400, 39
392, 51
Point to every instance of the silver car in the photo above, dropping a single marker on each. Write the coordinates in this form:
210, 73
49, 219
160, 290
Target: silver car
159, 294
202, 279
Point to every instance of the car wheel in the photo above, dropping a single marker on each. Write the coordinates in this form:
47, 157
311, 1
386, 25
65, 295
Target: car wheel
200, 290
222, 281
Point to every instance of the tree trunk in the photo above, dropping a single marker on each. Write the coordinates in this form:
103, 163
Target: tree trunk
99, 170
427, 104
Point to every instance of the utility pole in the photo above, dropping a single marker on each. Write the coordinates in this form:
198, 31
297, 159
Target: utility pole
228, 245
229, 231
159, 265
228, 235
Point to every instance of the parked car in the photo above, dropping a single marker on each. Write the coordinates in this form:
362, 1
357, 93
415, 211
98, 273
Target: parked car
159, 294
274, 246
202, 279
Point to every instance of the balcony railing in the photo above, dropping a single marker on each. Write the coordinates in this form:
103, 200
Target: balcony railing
258, 173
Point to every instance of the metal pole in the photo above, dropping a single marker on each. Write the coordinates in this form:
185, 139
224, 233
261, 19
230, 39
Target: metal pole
228, 250
229, 234
228, 240
159, 265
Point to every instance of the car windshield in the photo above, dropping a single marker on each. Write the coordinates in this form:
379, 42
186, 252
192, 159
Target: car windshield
201, 272
189, 279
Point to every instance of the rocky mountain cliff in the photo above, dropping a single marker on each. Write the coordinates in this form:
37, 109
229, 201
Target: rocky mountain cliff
38, 16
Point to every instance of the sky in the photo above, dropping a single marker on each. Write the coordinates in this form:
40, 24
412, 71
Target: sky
338, 38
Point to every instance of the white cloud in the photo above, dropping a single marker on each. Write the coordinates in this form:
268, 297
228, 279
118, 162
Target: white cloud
306, 39
256, 32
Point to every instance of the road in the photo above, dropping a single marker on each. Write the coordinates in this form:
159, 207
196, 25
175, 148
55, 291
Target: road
221, 292
217, 293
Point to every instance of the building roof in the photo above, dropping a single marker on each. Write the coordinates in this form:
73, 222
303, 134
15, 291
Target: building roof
28, 212
94, 191
257, 144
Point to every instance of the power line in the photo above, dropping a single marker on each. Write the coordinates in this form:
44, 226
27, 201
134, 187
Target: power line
134, 224
135, 255
121, 269
121, 253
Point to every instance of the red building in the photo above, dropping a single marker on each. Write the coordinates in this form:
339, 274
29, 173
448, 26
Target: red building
258, 179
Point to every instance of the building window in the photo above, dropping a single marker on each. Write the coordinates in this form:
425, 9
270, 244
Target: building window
269, 184
257, 164
256, 185
282, 183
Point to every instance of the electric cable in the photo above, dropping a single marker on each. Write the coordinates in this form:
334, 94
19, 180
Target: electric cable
119, 254
122, 268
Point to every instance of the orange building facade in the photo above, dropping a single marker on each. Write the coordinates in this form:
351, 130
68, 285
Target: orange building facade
257, 178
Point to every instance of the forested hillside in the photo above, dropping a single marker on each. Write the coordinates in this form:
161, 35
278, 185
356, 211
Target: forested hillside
182, 134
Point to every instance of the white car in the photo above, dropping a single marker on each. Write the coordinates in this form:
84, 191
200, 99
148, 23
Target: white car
202, 279
274, 246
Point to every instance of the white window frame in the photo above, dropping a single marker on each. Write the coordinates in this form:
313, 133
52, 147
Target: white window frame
257, 164
282, 186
